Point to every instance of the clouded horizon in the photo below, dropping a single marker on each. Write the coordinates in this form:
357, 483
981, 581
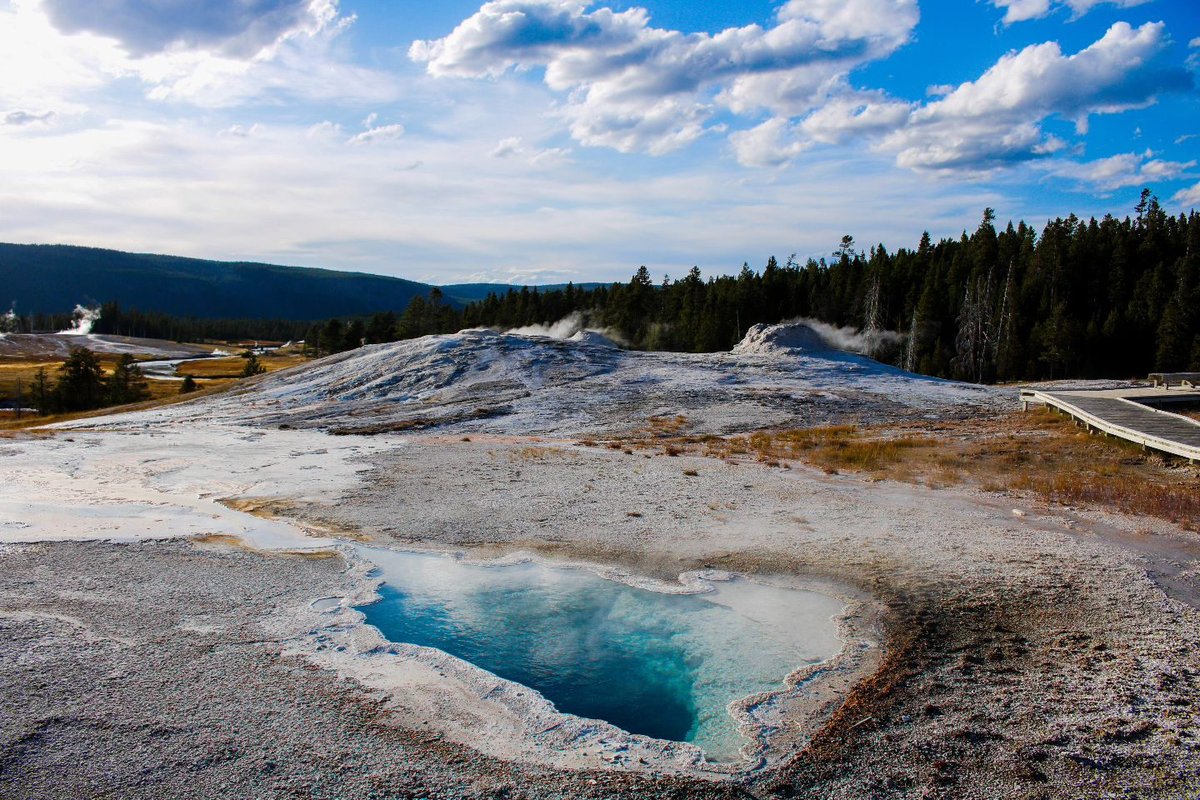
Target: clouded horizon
551, 140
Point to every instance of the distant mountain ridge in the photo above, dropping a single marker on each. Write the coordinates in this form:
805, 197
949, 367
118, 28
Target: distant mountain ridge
53, 278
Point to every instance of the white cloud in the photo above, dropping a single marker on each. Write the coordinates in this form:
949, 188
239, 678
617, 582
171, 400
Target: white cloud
1188, 198
997, 118
633, 87
514, 147
41, 68
239, 28
507, 148
324, 131
550, 156
1159, 170
178, 187
990, 122
770, 144
382, 133
239, 131
54, 66
855, 114
1120, 171
1022, 10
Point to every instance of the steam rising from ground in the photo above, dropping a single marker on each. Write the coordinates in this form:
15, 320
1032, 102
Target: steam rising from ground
83, 318
8, 321
864, 342
571, 325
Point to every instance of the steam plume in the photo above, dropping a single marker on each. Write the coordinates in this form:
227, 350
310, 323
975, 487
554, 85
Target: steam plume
83, 318
570, 325
867, 342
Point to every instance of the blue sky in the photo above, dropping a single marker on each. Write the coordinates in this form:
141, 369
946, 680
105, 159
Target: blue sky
550, 140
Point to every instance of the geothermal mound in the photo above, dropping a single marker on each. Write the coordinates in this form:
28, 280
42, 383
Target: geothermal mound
780, 339
594, 338
481, 381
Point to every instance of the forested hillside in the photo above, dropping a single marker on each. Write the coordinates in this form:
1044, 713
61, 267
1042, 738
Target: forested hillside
52, 279
1101, 298
1098, 298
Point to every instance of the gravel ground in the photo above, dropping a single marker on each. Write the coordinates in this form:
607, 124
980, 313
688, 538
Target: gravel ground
171, 691
1031, 653
1026, 655
1023, 651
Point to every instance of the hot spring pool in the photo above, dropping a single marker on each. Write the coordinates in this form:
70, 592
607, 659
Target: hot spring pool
662, 665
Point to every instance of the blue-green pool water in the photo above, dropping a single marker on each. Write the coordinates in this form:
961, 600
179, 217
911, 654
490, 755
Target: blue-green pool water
662, 665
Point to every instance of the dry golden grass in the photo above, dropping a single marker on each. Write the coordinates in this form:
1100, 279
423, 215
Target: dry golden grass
211, 374
1038, 452
1176, 503
23, 371
532, 454
663, 427
232, 366
162, 393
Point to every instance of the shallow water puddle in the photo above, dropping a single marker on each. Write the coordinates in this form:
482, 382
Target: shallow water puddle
662, 665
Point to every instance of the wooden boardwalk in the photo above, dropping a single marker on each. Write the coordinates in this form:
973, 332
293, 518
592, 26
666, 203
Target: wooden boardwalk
1120, 414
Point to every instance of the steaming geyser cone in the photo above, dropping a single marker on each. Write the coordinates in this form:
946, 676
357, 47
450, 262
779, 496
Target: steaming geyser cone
764, 339
593, 338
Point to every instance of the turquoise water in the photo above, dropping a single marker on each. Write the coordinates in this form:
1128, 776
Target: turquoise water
661, 665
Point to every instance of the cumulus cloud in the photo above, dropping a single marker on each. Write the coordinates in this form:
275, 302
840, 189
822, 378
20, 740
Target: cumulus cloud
1120, 171
992, 121
855, 114
514, 147
239, 131
54, 52
633, 87
381, 133
1022, 10
507, 148
325, 131
240, 28
1187, 198
770, 144
997, 118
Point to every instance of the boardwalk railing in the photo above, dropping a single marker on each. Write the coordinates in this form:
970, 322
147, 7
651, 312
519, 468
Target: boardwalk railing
1127, 420
1189, 380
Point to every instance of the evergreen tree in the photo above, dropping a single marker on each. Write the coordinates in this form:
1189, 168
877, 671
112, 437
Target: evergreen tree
40, 392
127, 384
253, 366
81, 382
1108, 297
